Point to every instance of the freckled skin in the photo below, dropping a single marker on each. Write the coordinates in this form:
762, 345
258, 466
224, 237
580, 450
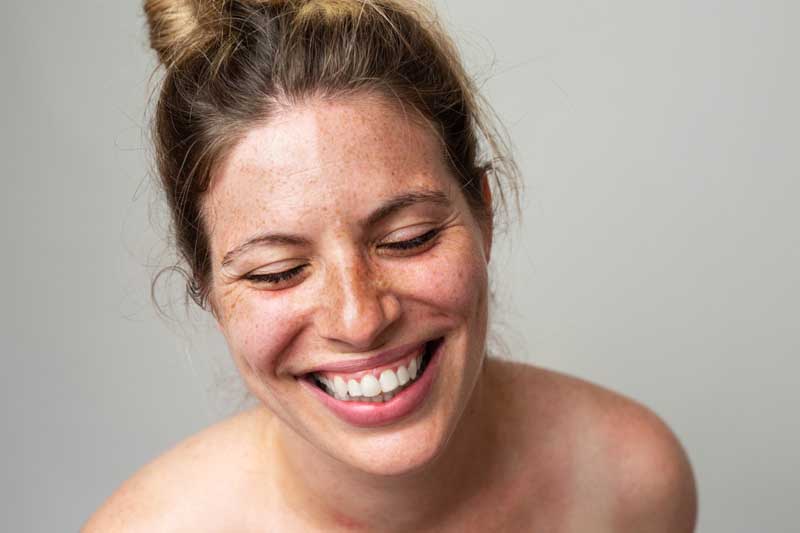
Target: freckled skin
497, 446
317, 171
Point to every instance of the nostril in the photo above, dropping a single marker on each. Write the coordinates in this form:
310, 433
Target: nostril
358, 304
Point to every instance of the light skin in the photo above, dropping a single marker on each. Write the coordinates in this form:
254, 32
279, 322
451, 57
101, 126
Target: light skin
338, 231
360, 208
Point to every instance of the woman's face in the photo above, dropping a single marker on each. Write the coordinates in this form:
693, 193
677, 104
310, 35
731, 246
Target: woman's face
342, 246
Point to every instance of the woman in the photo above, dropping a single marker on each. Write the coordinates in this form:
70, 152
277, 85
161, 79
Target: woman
324, 167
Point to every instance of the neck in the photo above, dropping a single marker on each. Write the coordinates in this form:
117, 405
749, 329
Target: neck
331, 494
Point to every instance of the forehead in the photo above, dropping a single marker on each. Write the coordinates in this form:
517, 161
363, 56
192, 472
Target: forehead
323, 157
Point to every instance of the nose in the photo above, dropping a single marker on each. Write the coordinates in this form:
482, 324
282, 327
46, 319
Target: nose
358, 306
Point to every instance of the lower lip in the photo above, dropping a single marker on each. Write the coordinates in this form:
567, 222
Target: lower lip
372, 414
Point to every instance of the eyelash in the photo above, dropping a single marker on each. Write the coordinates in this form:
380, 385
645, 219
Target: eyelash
276, 277
410, 244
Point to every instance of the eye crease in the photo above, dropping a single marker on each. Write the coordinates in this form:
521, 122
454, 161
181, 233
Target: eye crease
276, 278
416, 242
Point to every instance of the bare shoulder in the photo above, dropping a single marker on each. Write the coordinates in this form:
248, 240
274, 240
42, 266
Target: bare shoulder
626, 460
193, 483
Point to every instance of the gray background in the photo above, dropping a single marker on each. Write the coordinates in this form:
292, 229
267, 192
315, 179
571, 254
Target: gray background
658, 254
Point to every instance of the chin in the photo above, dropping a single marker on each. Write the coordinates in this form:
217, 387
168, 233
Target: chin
399, 453
400, 437
396, 455
415, 443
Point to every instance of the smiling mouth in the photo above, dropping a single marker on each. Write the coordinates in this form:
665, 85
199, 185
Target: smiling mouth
377, 387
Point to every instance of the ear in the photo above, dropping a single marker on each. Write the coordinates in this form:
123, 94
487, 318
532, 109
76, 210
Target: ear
487, 225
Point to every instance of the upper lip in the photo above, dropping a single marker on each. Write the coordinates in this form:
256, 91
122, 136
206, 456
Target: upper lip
366, 363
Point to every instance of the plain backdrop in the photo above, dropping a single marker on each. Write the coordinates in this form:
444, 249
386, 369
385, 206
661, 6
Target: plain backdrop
658, 254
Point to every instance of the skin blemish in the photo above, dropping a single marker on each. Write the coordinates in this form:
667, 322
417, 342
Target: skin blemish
357, 183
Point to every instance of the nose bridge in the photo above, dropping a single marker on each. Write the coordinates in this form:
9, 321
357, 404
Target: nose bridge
357, 307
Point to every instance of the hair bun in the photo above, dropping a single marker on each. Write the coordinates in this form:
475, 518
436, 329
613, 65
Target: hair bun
182, 28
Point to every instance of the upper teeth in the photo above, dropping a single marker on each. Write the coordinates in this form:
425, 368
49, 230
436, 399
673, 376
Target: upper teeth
370, 387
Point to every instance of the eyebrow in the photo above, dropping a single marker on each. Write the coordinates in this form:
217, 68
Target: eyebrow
404, 200
284, 239
384, 211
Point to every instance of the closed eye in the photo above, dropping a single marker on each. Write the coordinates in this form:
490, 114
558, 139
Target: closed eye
411, 244
275, 278
286, 278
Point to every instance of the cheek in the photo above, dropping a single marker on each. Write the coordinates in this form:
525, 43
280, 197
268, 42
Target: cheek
452, 278
259, 328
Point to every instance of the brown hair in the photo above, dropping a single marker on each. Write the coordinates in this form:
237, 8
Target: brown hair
230, 64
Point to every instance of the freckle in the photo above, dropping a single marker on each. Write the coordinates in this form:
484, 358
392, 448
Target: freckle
233, 305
